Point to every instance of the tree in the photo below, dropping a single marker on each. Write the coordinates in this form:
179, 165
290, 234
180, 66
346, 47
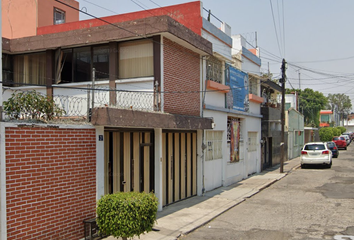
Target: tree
310, 104
342, 102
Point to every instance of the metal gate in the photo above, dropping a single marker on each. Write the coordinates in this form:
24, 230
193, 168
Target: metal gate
179, 164
129, 161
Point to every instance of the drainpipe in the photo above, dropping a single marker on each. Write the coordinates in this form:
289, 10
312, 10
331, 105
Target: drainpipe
203, 132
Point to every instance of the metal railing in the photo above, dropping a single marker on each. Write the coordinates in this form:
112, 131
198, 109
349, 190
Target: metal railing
79, 103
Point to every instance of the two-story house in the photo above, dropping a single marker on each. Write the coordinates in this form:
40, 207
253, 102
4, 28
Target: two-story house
131, 86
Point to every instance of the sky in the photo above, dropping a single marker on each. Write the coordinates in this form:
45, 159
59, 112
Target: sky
315, 37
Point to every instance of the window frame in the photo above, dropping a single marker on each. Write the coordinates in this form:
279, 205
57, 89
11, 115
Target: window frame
62, 13
214, 141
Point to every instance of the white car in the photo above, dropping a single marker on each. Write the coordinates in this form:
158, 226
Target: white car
347, 138
316, 153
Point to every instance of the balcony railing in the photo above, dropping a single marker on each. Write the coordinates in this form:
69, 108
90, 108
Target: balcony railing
79, 101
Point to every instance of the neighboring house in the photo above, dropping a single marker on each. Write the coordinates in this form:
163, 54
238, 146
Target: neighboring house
294, 126
135, 88
311, 135
329, 118
23, 18
349, 123
271, 125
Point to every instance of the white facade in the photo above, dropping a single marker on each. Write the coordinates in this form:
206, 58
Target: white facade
219, 170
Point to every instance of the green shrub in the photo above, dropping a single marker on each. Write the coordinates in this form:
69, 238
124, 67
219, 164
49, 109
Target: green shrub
126, 214
326, 134
31, 105
342, 130
336, 132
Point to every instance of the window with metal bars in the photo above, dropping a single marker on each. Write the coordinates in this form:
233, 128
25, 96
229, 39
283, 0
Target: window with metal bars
214, 69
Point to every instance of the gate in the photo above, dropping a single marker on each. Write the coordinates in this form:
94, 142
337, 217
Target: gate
179, 166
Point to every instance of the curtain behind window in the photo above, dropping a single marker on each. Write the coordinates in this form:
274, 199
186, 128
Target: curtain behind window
30, 69
136, 59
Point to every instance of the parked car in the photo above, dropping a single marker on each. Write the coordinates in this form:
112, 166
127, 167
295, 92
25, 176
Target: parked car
347, 139
316, 153
350, 134
334, 149
340, 142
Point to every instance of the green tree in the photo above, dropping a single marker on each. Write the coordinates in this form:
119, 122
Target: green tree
310, 104
342, 102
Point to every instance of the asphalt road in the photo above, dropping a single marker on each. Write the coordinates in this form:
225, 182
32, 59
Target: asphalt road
308, 204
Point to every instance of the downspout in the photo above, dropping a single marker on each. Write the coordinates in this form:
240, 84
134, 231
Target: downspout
203, 132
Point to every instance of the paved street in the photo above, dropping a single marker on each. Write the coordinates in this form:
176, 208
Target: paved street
311, 203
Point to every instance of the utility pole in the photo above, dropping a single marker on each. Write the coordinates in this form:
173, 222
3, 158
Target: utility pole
282, 81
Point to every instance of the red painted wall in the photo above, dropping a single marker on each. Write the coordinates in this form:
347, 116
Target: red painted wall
181, 79
50, 182
187, 14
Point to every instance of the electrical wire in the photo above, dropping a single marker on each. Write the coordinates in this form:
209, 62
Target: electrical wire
275, 27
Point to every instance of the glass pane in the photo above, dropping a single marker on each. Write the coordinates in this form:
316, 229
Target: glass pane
315, 147
67, 63
82, 64
101, 62
30, 69
136, 59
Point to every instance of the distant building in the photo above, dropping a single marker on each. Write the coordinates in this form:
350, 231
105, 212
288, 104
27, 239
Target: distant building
329, 118
22, 18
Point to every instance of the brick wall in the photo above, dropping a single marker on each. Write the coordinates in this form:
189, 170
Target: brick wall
51, 182
181, 74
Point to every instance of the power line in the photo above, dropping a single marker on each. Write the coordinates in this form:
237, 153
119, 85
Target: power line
275, 27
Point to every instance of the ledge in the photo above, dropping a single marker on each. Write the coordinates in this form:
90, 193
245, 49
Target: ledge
217, 86
255, 98
114, 117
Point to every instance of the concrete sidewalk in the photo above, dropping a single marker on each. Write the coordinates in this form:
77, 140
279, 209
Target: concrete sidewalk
185, 216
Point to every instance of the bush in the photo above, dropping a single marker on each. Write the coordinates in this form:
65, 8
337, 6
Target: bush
342, 130
336, 132
31, 105
126, 214
326, 134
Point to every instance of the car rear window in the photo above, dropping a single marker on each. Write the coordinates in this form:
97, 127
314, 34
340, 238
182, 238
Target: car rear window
315, 147
331, 144
336, 138
342, 138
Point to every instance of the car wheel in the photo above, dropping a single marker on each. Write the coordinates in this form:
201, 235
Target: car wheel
302, 166
329, 165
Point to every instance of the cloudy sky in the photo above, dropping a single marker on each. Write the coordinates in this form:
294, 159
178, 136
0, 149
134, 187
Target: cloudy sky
314, 36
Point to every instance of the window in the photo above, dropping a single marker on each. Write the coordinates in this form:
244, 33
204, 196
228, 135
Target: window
214, 69
315, 147
325, 118
82, 64
76, 64
253, 85
136, 59
59, 16
30, 69
214, 145
7, 70
252, 141
100, 61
